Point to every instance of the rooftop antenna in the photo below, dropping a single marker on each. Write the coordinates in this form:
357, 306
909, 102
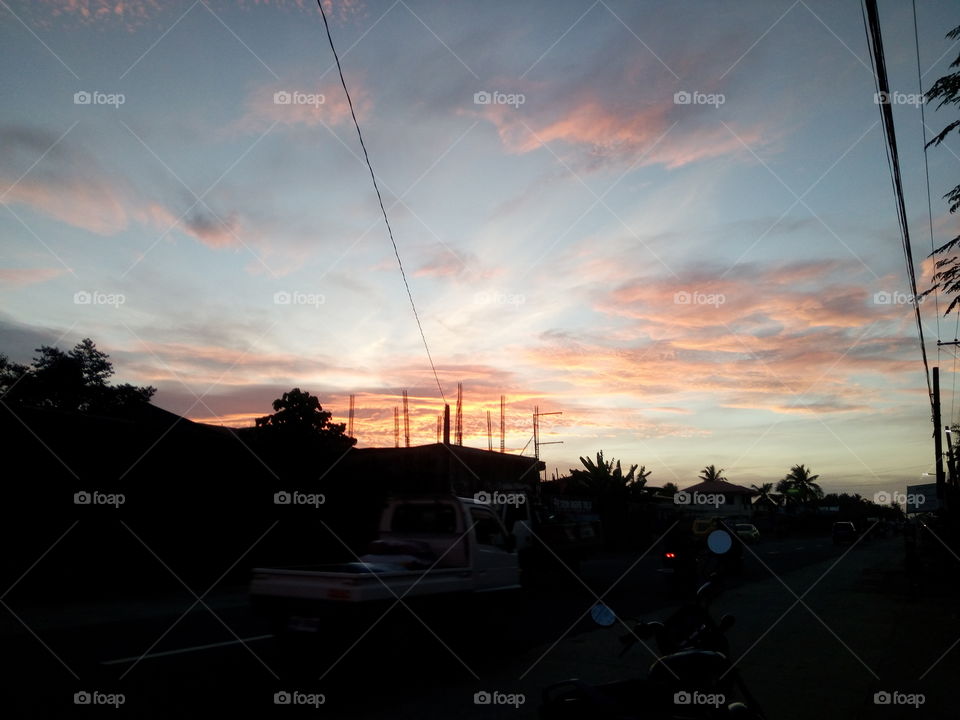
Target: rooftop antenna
489, 433
396, 426
406, 419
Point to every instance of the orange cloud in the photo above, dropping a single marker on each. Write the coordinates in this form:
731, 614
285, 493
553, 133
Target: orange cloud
614, 133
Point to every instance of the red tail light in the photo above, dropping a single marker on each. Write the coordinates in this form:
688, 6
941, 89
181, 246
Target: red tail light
669, 555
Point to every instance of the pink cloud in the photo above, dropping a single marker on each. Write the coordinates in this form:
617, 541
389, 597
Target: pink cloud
21, 277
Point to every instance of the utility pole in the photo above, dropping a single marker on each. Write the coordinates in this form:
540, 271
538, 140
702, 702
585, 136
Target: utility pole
396, 426
459, 429
502, 401
406, 419
951, 460
489, 433
350, 420
937, 434
446, 424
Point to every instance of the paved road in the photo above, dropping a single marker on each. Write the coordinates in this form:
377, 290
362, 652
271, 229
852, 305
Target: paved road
171, 661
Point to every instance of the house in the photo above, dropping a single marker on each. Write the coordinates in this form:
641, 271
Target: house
718, 498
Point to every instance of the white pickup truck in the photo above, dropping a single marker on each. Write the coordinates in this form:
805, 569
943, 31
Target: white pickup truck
428, 547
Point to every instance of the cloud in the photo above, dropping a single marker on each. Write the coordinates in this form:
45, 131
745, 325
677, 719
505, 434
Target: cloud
21, 277
803, 337
132, 14
301, 104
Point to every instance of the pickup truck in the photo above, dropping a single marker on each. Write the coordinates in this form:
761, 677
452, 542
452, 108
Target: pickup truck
428, 548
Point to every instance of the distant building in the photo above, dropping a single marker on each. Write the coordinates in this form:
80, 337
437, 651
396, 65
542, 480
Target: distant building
440, 468
717, 498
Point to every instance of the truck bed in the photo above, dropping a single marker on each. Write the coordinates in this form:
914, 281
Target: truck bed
357, 582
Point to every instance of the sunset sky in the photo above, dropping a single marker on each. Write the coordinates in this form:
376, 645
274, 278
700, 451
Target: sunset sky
717, 281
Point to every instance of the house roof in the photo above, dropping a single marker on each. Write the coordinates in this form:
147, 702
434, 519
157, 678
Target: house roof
720, 486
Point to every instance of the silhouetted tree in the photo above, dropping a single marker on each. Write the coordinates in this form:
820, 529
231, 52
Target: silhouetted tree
298, 413
669, 489
947, 276
605, 477
75, 380
800, 486
612, 490
711, 474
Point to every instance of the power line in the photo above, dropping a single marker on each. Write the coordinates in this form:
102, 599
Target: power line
871, 23
376, 187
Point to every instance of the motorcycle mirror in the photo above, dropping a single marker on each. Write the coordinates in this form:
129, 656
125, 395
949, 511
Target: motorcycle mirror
602, 615
719, 542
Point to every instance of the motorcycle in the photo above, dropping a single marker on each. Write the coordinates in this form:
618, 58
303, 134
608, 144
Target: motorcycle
691, 678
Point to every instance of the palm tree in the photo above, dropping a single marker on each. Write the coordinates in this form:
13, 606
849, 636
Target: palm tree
612, 489
711, 474
763, 491
800, 485
605, 477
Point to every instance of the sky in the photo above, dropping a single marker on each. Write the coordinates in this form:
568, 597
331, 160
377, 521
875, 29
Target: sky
670, 221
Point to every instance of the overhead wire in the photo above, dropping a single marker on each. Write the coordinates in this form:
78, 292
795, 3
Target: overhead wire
383, 209
875, 46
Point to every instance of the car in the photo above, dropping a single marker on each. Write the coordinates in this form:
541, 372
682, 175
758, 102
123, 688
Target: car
843, 532
747, 532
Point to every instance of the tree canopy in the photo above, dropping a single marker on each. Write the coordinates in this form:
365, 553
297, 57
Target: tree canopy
298, 413
946, 277
76, 380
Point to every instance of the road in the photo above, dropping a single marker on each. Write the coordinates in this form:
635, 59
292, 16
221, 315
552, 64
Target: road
171, 656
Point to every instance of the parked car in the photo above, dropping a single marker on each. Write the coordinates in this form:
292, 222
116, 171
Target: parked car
843, 532
747, 532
